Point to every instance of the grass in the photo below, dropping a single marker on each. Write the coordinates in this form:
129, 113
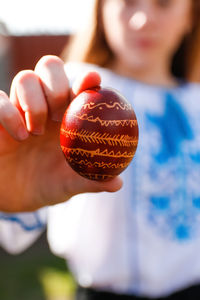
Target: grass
35, 274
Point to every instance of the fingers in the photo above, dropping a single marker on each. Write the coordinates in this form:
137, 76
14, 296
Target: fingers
28, 96
11, 119
86, 81
50, 70
40, 93
110, 186
84, 185
45, 91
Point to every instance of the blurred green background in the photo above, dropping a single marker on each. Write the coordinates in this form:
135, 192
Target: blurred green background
36, 274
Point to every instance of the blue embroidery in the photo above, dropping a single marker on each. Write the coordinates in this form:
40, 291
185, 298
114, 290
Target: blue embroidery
196, 202
195, 157
175, 211
174, 128
182, 232
160, 203
34, 221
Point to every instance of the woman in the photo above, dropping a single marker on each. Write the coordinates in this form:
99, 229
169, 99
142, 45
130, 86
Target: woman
142, 240
138, 241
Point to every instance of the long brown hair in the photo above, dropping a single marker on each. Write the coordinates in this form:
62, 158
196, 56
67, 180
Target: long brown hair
91, 46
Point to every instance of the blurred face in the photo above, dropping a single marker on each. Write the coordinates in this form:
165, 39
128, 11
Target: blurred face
142, 33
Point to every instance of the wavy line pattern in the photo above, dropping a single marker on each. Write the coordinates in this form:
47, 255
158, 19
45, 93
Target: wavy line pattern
117, 105
101, 138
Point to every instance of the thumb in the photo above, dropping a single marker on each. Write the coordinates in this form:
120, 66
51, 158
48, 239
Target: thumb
85, 81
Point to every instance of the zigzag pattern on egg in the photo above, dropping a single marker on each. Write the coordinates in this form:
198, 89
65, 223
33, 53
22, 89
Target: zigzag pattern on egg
96, 164
97, 152
99, 134
106, 123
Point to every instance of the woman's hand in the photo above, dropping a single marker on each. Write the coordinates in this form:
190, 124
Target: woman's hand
34, 172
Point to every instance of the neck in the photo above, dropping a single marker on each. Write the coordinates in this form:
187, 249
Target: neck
159, 74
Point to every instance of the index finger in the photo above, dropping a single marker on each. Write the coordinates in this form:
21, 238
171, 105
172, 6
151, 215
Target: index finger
50, 70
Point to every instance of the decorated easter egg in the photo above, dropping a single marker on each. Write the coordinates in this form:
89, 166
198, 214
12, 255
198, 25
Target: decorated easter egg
99, 133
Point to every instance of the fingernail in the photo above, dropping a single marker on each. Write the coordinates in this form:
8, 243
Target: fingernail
22, 133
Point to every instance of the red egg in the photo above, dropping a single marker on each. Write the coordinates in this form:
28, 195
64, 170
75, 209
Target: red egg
99, 134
